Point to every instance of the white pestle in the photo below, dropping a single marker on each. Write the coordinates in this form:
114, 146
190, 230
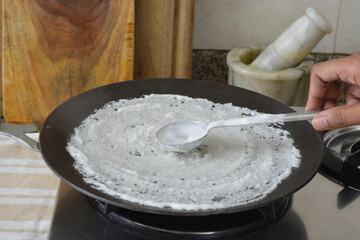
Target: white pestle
295, 43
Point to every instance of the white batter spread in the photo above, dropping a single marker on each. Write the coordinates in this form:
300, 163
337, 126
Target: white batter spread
116, 152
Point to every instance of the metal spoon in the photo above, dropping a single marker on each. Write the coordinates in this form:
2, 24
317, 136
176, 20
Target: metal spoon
184, 136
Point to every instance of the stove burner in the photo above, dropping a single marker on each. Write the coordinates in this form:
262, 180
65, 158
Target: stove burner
355, 147
221, 226
342, 156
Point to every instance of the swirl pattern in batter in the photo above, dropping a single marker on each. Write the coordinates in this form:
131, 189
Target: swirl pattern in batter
116, 152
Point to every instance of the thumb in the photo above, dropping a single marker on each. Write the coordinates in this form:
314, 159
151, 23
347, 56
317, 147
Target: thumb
337, 117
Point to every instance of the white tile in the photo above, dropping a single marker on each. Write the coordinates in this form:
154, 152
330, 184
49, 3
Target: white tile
228, 24
348, 34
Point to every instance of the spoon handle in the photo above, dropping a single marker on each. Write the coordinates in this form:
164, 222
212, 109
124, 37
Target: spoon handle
264, 119
290, 117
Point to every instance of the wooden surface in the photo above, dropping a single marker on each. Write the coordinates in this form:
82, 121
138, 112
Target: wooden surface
163, 38
56, 49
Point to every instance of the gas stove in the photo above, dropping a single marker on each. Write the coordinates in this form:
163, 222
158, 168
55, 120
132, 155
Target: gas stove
328, 207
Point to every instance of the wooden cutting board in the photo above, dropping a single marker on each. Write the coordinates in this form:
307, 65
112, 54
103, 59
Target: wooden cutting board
56, 49
163, 38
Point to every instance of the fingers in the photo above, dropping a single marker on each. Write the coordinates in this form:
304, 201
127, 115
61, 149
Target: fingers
332, 95
317, 91
353, 95
322, 92
337, 117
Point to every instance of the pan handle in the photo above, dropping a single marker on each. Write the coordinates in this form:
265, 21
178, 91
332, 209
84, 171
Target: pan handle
17, 131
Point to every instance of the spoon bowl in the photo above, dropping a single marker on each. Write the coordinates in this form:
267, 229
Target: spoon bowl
182, 136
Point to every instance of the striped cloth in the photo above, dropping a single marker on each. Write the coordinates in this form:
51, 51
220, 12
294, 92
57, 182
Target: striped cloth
27, 192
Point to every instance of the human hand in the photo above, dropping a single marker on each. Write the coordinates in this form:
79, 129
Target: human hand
325, 83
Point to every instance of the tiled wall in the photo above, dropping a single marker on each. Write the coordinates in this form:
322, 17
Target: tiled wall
227, 24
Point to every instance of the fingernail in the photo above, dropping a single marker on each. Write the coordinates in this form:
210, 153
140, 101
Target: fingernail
320, 123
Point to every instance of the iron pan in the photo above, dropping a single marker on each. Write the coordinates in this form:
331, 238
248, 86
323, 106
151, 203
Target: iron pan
60, 124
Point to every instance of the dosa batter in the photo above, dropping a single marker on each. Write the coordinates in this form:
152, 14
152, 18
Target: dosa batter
116, 152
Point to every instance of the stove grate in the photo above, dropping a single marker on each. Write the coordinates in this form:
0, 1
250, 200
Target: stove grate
220, 226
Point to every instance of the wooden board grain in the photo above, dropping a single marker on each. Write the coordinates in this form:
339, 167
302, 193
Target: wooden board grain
183, 38
56, 49
163, 38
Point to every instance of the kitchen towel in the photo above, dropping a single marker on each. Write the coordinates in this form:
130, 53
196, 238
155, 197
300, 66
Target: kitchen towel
28, 190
